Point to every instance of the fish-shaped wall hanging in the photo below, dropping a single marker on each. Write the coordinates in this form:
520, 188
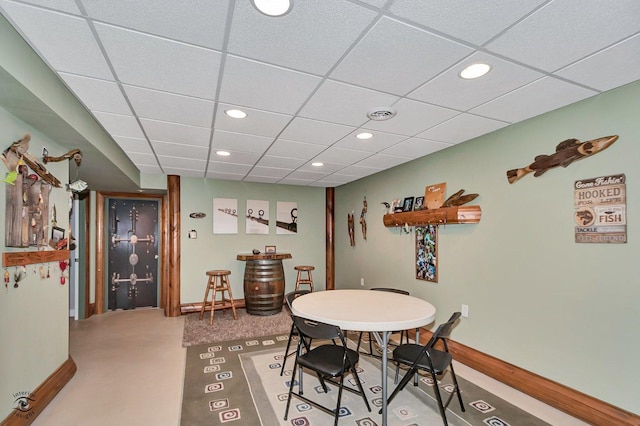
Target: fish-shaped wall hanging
567, 152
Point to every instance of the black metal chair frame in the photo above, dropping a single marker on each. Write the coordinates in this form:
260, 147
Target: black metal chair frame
433, 361
289, 298
328, 361
404, 334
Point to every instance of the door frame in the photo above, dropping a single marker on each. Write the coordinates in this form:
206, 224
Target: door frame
163, 250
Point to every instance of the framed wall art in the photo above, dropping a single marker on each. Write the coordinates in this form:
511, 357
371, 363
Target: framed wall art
427, 253
418, 203
407, 204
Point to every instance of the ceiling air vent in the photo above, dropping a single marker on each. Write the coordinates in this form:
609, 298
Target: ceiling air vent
381, 114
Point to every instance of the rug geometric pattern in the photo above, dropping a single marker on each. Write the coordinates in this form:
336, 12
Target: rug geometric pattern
239, 383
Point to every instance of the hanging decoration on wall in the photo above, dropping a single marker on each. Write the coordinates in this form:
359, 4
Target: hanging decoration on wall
225, 216
458, 199
434, 195
427, 253
567, 152
257, 217
363, 222
352, 239
600, 210
286, 217
19, 151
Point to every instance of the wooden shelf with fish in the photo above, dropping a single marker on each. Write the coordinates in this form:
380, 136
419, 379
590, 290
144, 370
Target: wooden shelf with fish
441, 216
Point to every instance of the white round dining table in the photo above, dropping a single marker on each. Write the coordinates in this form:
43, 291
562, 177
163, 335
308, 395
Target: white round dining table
379, 312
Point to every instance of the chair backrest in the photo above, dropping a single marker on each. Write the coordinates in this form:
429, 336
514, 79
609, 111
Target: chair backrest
290, 297
443, 332
316, 329
391, 290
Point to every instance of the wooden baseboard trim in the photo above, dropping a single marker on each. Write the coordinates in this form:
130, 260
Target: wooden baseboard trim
189, 308
570, 401
43, 395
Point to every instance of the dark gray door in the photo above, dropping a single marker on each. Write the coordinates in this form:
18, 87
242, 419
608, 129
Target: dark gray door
133, 253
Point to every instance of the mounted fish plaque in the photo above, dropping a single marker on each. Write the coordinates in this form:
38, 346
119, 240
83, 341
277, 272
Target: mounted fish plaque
567, 152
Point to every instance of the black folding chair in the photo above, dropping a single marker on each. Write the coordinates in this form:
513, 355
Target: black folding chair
328, 361
289, 298
404, 334
431, 360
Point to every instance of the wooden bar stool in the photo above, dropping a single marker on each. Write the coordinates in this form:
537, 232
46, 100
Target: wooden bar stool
218, 285
304, 280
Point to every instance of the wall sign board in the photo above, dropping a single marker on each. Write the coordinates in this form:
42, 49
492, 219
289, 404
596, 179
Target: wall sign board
600, 210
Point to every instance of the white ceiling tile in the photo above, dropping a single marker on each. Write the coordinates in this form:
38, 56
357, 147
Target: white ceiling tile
311, 38
269, 172
462, 128
338, 179
182, 172
240, 142
452, 91
69, 6
296, 181
601, 71
179, 150
533, 99
469, 20
167, 18
313, 131
176, 133
237, 157
382, 161
223, 167
413, 117
324, 184
98, 95
399, 70
182, 163
119, 125
326, 168
280, 162
377, 143
300, 174
548, 40
142, 159
73, 50
277, 89
344, 103
416, 148
148, 61
225, 176
285, 148
257, 122
169, 107
360, 171
341, 156
138, 145
261, 179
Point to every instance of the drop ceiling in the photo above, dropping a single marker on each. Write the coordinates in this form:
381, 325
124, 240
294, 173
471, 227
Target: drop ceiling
159, 74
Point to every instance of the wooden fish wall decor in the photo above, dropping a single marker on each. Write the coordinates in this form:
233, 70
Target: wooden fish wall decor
567, 152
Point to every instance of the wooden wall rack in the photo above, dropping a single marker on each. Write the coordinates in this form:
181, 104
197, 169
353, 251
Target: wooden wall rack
18, 258
442, 216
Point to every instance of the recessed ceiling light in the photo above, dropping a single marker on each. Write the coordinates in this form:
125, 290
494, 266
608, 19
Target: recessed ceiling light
364, 135
317, 164
223, 153
273, 7
235, 113
475, 71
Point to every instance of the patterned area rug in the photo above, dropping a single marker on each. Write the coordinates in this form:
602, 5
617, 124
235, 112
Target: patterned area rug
225, 328
238, 382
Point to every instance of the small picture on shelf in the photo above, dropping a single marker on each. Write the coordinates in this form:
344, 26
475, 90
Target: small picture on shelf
418, 204
270, 249
57, 234
407, 204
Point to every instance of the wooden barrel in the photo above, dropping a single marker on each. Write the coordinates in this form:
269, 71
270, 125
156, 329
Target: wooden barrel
263, 286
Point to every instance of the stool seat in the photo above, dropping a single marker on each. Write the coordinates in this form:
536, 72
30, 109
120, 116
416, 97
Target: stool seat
304, 280
218, 282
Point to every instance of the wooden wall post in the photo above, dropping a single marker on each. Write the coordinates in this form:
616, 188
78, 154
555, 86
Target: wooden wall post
330, 244
172, 307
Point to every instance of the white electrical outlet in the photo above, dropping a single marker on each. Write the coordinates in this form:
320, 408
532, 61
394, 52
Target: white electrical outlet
465, 311
362, 282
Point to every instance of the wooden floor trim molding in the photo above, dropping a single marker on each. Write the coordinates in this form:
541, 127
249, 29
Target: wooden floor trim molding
570, 401
43, 395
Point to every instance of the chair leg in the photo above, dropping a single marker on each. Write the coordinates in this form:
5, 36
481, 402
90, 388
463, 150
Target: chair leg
286, 352
335, 423
204, 303
359, 384
441, 406
213, 301
293, 379
456, 389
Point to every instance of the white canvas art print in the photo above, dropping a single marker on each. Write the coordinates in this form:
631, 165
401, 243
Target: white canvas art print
286, 218
225, 216
257, 217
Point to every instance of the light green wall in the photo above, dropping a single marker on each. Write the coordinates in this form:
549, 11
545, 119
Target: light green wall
34, 330
566, 311
219, 251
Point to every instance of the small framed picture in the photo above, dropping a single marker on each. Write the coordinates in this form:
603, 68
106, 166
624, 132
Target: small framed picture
418, 204
57, 234
407, 204
269, 249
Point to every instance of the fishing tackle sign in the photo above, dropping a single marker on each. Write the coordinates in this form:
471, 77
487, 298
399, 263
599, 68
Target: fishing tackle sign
600, 210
